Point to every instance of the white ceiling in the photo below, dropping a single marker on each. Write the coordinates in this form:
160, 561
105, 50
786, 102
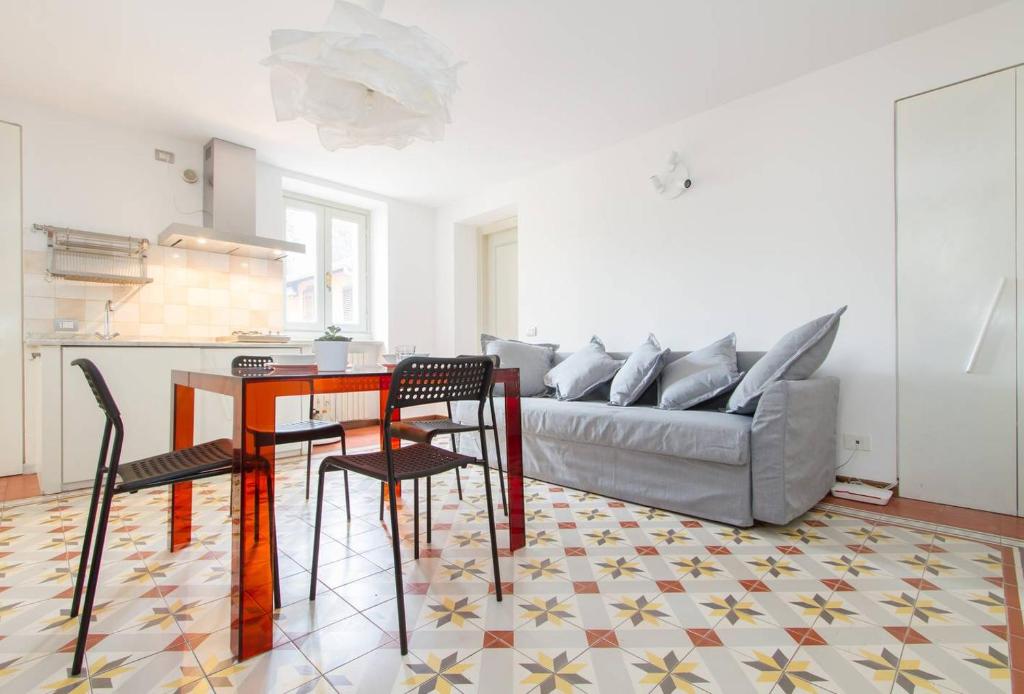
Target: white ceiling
543, 81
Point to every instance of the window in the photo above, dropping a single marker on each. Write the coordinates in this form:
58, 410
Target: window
329, 284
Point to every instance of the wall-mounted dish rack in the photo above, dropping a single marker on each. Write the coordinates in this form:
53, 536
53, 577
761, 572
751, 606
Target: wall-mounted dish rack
89, 256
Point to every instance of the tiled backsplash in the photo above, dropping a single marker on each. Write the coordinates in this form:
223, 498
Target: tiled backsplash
193, 295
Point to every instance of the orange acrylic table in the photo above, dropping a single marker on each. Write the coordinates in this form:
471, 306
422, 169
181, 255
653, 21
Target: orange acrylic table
254, 394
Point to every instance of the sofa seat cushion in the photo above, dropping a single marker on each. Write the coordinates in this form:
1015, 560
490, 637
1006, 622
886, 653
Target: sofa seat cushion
695, 434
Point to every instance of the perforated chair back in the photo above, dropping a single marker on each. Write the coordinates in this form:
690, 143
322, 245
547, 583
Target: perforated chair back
99, 389
493, 357
428, 380
251, 361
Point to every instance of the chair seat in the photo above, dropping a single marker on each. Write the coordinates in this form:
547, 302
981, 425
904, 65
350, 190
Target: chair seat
206, 459
418, 460
306, 430
424, 431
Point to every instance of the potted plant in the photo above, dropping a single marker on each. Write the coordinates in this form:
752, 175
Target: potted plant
331, 350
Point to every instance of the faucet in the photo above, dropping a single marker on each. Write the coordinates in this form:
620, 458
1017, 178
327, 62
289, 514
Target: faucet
108, 309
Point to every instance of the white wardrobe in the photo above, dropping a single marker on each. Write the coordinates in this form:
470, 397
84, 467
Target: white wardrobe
960, 293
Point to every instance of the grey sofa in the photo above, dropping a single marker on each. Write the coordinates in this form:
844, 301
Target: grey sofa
735, 469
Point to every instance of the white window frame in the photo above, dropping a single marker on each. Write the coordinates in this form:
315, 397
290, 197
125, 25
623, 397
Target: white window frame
326, 211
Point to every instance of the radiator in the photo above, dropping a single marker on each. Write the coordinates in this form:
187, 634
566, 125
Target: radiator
349, 407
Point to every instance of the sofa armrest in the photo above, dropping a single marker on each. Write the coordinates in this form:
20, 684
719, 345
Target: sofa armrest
793, 447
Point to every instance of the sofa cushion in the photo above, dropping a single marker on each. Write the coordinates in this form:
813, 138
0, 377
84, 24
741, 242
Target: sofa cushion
532, 360
796, 356
640, 370
699, 376
695, 434
581, 373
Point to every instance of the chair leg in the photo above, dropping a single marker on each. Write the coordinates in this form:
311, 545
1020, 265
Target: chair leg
381, 502
94, 574
490, 520
428, 510
399, 590
316, 532
90, 524
458, 482
309, 465
497, 452
348, 505
416, 518
273, 540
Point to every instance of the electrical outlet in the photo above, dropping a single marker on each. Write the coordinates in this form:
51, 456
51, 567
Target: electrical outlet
856, 442
531, 332
65, 325
163, 155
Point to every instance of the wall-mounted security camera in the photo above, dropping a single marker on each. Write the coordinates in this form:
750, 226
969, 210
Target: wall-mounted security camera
676, 179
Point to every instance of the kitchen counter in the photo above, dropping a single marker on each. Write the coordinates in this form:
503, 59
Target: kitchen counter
63, 425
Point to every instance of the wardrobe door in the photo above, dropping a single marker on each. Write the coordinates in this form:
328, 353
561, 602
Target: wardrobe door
957, 294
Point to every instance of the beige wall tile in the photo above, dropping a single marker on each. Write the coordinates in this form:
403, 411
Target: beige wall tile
151, 313
64, 289
69, 308
198, 296
198, 315
193, 294
38, 308
175, 314
37, 285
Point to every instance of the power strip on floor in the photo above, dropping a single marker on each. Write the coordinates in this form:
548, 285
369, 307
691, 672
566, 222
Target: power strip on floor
862, 492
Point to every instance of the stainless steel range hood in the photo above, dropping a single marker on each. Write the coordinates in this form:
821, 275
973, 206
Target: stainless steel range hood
229, 209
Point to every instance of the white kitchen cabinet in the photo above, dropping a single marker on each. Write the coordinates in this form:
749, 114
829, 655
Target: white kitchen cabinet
139, 378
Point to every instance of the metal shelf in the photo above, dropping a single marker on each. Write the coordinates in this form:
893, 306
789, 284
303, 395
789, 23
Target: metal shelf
87, 256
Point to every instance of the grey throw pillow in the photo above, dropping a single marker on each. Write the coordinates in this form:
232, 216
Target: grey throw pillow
699, 376
532, 360
638, 372
793, 358
582, 371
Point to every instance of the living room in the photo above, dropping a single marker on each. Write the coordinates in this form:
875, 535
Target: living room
669, 346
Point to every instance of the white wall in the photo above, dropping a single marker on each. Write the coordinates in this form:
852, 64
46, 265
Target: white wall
790, 216
92, 175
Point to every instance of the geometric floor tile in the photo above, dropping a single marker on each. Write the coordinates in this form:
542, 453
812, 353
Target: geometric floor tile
606, 596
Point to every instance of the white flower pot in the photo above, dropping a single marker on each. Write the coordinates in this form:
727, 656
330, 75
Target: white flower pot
331, 355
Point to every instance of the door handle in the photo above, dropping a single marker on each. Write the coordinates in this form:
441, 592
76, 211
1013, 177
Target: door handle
973, 358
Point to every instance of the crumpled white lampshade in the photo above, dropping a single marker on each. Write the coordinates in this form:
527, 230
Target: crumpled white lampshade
363, 80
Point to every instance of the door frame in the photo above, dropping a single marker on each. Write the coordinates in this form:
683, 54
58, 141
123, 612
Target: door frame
483, 273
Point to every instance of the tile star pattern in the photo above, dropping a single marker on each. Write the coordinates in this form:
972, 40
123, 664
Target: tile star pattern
606, 596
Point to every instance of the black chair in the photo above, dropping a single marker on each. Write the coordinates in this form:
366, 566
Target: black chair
418, 381
424, 431
185, 465
306, 431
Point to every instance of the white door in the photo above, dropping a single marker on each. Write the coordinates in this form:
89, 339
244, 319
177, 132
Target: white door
501, 283
11, 365
957, 294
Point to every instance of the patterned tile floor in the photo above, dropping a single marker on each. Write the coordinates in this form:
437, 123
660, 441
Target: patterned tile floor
607, 596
